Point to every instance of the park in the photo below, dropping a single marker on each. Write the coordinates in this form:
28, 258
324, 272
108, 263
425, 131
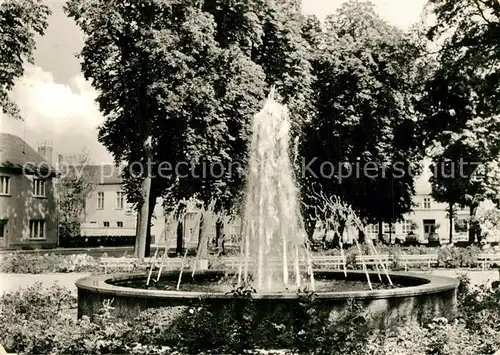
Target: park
254, 90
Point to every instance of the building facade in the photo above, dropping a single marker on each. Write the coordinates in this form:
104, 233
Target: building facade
28, 209
107, 212
428, 217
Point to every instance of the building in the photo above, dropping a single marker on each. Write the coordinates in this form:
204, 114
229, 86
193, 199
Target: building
107, 212
28, 209
428, 217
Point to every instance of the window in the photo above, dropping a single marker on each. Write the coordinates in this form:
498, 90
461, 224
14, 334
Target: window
389, 228
37, 229
427, 203
38, 188
406, 226
100, 200
119, 200
372, 229
106, 224
119, 224
3, 227
93, 222
4, 185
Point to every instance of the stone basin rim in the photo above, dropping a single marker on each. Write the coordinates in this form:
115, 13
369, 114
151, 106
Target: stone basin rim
431, 284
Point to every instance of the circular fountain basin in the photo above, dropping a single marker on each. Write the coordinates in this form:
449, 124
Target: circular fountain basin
414, 297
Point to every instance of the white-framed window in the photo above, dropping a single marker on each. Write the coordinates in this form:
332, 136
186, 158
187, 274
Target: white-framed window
38, 187
372, 229
100, 200
37, 229
406, 226
119, 224
389, 228
4, 185
119, 200
427, 203
106, 224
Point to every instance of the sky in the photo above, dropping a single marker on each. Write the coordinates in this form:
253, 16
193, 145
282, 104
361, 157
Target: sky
58, 104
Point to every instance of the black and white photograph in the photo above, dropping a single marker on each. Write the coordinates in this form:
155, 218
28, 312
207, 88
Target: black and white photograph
278, 177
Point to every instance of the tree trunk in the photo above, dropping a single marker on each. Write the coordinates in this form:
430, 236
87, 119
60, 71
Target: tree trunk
152, 204
339, 235
380, 232
202, 248
179, 247
450, 215
219, 235
472, 224
137, 224
361, 236
145, 192
390, 233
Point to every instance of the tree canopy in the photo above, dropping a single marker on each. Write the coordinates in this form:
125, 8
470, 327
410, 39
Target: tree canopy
366, 98
460, 101
191, 74
20, 22
365, 91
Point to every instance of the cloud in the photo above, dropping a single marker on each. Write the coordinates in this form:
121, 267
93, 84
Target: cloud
66, 115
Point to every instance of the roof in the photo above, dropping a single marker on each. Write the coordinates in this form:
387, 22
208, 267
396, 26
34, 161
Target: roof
16, 154
105, 174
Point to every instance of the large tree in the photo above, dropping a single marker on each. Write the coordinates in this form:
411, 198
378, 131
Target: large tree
190, 74
20, 22
364, 95
461, 104
73, 186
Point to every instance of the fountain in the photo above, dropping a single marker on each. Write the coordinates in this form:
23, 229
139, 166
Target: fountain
275, 257
274, 239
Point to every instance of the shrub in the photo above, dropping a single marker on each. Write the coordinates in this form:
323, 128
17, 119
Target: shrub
317, 333
49, 263
37, 320
32, 317
439, 337
453, 257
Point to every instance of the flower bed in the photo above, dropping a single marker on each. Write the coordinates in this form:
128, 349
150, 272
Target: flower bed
41, 321
48, 263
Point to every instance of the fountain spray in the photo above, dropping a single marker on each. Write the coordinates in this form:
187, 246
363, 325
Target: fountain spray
274, 240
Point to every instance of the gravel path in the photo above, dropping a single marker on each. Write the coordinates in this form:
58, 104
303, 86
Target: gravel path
477, 277
12, 282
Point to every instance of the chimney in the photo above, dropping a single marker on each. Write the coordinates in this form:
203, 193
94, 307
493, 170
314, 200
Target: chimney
42, 149
46, 151
50, 153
